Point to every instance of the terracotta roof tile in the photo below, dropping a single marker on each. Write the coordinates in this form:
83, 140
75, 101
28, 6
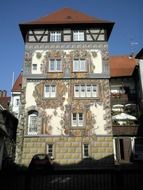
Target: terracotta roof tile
17, 84
4, 102
121, 66
66, 16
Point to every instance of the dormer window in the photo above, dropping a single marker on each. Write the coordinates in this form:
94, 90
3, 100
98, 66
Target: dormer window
78, 36
55, 36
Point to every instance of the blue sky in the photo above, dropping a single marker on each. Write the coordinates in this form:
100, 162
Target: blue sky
126, 35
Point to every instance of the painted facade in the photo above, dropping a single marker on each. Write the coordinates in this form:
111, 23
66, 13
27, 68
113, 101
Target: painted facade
65, 98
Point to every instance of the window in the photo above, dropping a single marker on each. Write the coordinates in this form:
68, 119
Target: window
17, 102
78, 36
50, 150
76, 91
79, 65
85, 150
55, 36
32, 123
82, 91
34, 67
55, 65
77, 119
89, 91
50, 91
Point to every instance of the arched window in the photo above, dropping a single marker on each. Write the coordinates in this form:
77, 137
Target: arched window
32, 122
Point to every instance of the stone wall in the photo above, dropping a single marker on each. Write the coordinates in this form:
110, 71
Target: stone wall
68, 150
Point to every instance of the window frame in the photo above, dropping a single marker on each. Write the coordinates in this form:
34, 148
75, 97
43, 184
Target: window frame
82, 91
52, 94
78, 36
55, 65
34, 67
55, 36
31, 115
50, 150
85, 150
17, 102
78, 64
76, 121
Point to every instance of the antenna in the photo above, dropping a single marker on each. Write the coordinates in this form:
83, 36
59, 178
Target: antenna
12, 79
132, 46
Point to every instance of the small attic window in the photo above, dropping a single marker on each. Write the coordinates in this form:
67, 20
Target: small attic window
68, 17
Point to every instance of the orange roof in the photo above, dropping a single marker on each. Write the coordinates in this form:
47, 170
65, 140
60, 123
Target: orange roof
66, 16
121, 66
17, 85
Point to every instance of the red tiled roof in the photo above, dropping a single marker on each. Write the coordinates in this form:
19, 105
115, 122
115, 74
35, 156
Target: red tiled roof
4, 102
17, 84
66, 16
121, 66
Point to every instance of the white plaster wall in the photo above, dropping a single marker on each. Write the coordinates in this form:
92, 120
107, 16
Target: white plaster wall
98, 112
55, 120
38, 61
97, 61
30, 100
15, 107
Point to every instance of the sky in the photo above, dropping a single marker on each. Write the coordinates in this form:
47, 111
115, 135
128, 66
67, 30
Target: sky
126, 36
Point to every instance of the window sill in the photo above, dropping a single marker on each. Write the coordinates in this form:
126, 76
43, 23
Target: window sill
49, 98
31, 135
87, 98
77, 128
55, 71
80, 72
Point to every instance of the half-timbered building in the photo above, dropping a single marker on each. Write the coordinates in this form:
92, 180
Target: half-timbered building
65, 98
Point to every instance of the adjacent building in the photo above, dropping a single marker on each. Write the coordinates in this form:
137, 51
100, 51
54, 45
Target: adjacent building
139, 57
124, 106
15, 96
65, 96
8, 127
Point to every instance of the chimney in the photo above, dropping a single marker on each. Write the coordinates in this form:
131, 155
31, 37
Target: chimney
4, 93
0, 93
